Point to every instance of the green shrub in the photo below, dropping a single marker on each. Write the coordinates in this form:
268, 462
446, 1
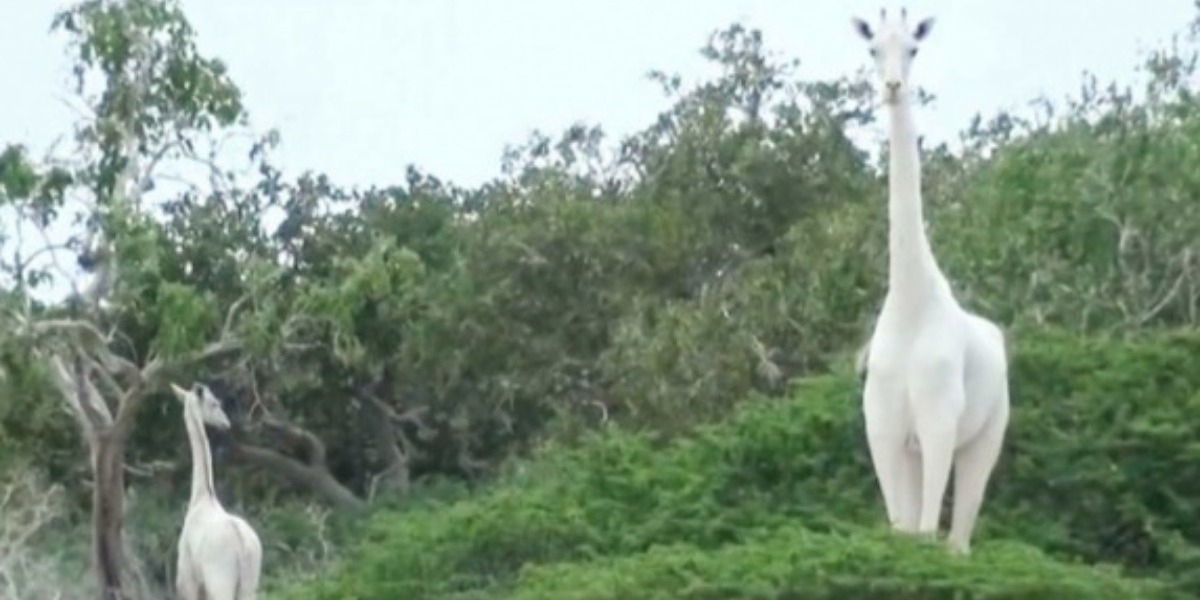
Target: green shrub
1101, 466
797, 564
624, 493
1102, 460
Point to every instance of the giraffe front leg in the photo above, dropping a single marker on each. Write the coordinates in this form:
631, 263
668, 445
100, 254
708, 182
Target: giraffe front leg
937, 402
186, 586
883, 416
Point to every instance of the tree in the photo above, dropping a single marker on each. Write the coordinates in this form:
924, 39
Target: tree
156, 100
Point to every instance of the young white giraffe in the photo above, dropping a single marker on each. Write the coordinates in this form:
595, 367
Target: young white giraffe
936, 389
220, 556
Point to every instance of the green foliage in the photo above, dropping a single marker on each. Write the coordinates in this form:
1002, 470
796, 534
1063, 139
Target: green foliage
679, 363
1104, 422
17, 175
376, 290
797, 564
1088, 476
1084, 220
185, 317
112, 39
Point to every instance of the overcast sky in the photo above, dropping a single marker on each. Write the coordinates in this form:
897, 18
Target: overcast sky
360, 88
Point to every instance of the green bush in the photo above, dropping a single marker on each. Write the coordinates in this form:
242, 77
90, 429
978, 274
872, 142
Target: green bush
1100, 467
797, 564
1102, 460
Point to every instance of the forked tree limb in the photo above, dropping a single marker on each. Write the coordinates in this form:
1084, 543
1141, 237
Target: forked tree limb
397, 450
82, 398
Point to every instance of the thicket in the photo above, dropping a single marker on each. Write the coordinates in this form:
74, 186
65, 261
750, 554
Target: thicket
376, 347
779, 502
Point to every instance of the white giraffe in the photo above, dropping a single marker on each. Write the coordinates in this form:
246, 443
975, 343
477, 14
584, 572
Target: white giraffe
220, 556
936, 389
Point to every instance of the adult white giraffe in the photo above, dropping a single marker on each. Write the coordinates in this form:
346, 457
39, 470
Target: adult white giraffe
936, 390
220, 556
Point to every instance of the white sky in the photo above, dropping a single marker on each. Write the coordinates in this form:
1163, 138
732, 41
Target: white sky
360, 88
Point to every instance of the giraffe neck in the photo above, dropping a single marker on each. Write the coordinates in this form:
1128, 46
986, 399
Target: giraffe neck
202, 478
913, 272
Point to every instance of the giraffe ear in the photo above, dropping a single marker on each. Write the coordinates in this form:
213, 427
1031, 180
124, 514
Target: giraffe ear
923, 28
179, 392
863, 29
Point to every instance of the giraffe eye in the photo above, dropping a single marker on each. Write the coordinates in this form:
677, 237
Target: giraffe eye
874, 53
912, 52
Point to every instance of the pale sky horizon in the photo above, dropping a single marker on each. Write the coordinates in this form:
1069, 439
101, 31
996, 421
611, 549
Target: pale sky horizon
360, 89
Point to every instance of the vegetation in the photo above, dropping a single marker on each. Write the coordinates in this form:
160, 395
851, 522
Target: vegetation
591, 377
778, 501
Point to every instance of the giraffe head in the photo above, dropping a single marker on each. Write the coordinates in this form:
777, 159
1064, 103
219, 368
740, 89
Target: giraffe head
893, 43
203, 402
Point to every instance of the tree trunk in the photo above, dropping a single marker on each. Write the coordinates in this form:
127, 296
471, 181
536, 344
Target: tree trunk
108, 508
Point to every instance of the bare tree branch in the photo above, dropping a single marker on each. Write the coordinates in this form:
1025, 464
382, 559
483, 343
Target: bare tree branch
1172, 292
79, 325
28, 507
396, 449
19, 528
226, 343
82, 398
603, 409
309, 471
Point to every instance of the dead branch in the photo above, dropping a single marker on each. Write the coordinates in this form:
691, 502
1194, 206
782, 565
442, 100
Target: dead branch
603, 409
226, 343
413, 416
227, 328
111, 364
766, 367
297, 437
76, 325
151, 470
1172, 291
82, 398
470, 465
397, 450
93, 366
303, 465
28, 507
152, 372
